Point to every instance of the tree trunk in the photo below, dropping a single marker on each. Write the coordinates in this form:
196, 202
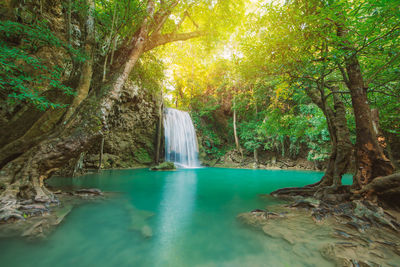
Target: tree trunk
101, 152
35, 134
341, 148
87, 69
255, 152
109, 44
370, 160
24, 176
78, 165
343, 143
381, 137
159, 130
42, 128
238, 148
339, 135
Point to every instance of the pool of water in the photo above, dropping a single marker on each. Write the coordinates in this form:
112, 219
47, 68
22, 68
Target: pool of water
172, 218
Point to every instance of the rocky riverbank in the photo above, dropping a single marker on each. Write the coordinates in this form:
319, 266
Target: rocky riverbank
33, 220
233, 159
357, 233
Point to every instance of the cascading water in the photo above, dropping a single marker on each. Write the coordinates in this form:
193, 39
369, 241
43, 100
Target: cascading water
180, 139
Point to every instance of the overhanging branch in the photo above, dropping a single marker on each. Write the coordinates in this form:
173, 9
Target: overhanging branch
162, 39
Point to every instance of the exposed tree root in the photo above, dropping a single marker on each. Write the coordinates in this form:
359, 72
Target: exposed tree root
385, 189
382, 189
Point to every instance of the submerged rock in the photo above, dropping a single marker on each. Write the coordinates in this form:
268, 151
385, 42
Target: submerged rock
139, 220
164, 166
89, 191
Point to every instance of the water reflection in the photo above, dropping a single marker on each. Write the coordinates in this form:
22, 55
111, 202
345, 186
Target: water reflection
176, 209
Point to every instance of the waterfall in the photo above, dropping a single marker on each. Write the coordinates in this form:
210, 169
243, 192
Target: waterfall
180, 139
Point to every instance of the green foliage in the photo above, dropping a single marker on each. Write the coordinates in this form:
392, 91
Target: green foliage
128, 17
212, 143
142, 156
23, 76
149, 72
250, 134
304, 125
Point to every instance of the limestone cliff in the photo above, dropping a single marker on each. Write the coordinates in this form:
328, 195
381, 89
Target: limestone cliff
130, 141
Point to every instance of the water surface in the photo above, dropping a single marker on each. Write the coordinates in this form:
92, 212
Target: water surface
173, 218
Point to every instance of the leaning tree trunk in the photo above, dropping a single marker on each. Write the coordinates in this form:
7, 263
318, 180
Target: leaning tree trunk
44, 126
24, 176
87, 69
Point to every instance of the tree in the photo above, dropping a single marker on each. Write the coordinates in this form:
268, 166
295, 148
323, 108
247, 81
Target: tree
23, 176
306, 43
370, 159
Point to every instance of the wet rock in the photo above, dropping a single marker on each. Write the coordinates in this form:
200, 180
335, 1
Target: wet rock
36, 220
146, 231
342, 234
305, 203
347, 234
89, 191
61, 213
6, 215
36, 230
139, 220
357, 226
319, 214
374, 214
257, 210
165, 166
34, 209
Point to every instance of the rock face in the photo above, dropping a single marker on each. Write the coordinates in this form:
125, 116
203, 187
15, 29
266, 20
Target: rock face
130, 141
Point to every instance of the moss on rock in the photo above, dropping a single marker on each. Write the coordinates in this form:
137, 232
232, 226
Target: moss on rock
164, 166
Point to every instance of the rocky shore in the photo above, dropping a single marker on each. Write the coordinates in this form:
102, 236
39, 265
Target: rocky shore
37, 220
356, 233
233, 160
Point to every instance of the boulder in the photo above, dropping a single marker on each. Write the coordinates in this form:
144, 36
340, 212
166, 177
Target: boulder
165, 166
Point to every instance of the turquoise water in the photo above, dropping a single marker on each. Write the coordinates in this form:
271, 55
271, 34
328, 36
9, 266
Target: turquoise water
174, 218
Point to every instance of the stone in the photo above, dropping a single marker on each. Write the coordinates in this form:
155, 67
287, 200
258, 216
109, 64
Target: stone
165, 166
89, 191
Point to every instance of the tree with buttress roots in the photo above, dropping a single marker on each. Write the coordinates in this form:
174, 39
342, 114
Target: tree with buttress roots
325, 48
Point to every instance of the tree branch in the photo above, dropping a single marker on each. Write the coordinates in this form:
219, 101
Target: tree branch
180, 22
194, 23
344, 74
162, 39
381, 69
161, 16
